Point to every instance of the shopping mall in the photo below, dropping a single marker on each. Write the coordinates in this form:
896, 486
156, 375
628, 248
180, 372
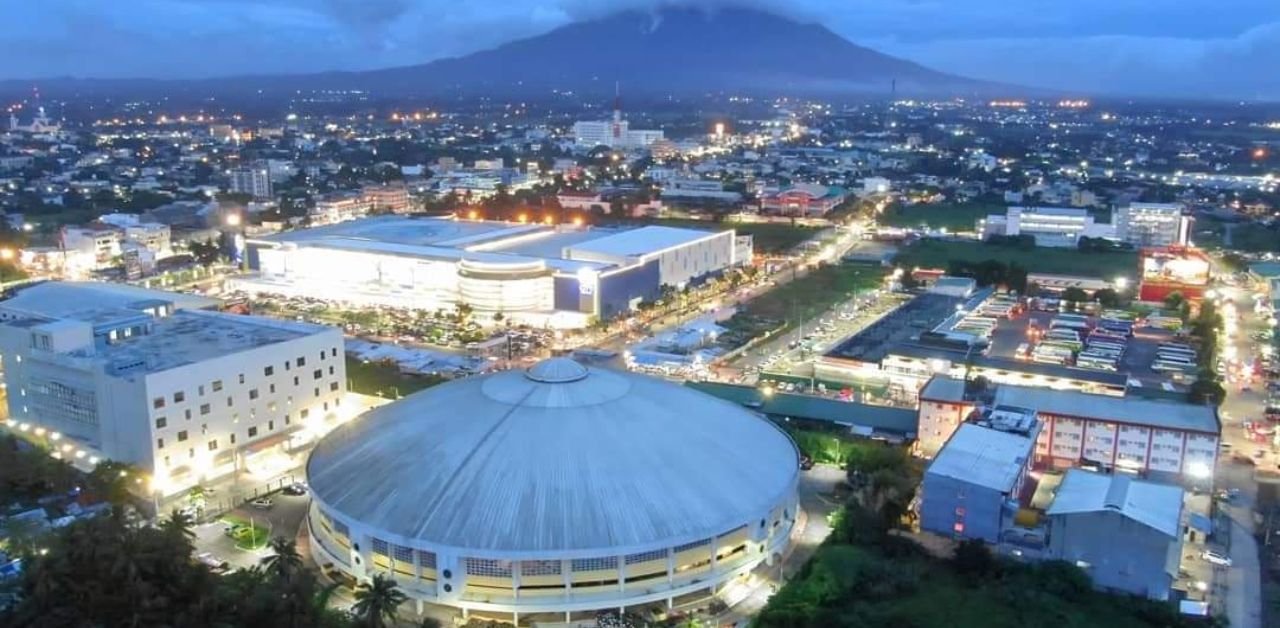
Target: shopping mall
558, 490
554, 275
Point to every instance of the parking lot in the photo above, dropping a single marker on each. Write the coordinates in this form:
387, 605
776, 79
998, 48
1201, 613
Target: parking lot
1136, 361
282, 519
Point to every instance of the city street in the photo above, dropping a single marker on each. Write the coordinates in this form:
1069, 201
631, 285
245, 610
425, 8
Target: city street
1240, 583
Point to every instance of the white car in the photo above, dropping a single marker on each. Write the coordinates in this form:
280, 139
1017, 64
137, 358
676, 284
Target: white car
1216, 558
262, 503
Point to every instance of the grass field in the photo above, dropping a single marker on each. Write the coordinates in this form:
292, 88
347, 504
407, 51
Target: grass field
768, 237
951, 216
1104, 265
246, 536
816, 292
385, 380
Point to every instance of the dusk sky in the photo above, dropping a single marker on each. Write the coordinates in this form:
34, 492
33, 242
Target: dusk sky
1210, 48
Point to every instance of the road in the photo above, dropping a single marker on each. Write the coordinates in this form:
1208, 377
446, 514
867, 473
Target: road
1238, 588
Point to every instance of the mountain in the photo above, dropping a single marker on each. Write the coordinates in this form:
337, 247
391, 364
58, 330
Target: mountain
668, 51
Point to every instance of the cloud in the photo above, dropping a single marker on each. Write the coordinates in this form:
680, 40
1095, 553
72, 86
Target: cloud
1186, 47
1242, 66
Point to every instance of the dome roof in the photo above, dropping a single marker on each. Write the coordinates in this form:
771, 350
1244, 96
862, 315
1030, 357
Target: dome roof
560, 458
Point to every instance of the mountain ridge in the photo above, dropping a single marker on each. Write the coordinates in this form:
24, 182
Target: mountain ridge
674, 51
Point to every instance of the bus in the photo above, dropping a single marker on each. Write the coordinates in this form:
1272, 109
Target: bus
1057, 323
1173, 367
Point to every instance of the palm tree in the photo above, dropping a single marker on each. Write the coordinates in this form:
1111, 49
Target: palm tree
377, 601
179, 525
285, 561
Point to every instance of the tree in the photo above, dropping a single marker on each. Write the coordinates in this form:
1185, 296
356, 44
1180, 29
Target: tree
377, 601
1107, 298
284, 561
972, 557
1074, 296
1174, 301
178, 525
205, 253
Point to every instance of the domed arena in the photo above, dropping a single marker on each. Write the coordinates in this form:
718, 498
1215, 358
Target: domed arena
557, 489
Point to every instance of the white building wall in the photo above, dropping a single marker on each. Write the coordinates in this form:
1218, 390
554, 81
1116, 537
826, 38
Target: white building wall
123, 422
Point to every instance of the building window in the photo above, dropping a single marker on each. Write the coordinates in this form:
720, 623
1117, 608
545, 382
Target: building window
286, 419
322, 355
161, 422
186, 414
333, 386
233, 438
159, 443
427, 559
302, 361
200, 388
213, 445
179, 397
304, 413
217, 385
253, 393
488, 567
204, 409
157, 403
269, 371
182, 436
271, 425
253, 431
317, 374
592, 564
271, 388
539, 567
295, 380
331, 370
644, 557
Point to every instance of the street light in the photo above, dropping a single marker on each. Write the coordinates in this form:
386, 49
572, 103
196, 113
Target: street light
1122, 283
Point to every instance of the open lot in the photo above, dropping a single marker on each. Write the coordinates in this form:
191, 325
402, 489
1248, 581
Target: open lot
950, 216
938, 253
385, 379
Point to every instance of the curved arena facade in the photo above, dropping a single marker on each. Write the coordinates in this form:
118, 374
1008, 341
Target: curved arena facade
558, 489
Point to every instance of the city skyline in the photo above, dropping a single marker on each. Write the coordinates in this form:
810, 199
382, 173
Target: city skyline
1185, 51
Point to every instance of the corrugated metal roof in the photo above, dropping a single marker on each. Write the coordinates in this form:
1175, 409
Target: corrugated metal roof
898, 421
1134, 410
983, 456
506, 464
1158, 506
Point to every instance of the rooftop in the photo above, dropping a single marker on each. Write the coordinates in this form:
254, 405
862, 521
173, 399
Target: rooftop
983, 456
77, 299
1133, 410
895, 421
642, 241
561, 458
1158, 506
189, 337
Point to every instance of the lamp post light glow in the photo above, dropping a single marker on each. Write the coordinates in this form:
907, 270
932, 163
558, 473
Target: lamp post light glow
1122, 283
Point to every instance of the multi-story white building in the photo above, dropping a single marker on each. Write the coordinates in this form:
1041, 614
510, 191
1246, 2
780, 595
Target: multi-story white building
188, 396
1153, 224
1051, 226
615, 133
537, 274
253, 180
96, 241
339, 207
392, 198
1161, 439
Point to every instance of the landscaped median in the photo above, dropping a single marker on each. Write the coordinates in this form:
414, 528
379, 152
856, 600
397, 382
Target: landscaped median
248, 534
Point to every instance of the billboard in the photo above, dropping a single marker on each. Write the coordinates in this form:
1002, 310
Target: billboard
1166, 270
1175, 268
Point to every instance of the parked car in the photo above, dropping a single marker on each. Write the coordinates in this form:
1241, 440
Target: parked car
262, 503
297, 488
806, 462
214, 563
1216, 558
